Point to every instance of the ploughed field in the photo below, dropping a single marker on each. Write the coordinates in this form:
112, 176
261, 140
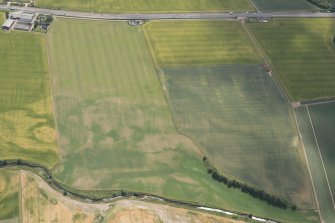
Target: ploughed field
302, 53
26, 118
147, 6
114, 123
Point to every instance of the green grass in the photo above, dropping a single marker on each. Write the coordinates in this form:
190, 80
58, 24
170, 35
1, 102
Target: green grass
322, 121
284, 5
147, 6
26, 120
9, 194
185, 43
302, 54
115, 126
236, 114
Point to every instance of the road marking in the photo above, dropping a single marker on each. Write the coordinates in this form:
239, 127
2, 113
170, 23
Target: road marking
324, 169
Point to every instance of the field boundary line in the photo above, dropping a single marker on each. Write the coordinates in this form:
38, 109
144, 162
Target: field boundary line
273, 73
308, 166
320, 154
254, 5
51, 89
164, 90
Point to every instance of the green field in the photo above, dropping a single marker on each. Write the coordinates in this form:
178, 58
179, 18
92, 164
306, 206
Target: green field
115, 126
284, 5
302, 54
147, 6
9, 194
26, 119
237, 115
200, 42
323, 123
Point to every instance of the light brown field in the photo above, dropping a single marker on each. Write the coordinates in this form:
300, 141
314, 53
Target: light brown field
133, 211
40, 203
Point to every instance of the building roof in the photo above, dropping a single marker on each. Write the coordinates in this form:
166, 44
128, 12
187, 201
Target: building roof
21, 15
8, 23
22, 26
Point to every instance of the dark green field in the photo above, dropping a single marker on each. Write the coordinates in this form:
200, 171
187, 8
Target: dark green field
323, 118
284, 5
147, 6
302, 54
322, 125
237, 116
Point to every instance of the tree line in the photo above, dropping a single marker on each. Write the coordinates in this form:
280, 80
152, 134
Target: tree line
328, 5
259, 194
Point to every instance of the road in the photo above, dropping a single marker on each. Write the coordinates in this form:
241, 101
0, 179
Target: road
154, 16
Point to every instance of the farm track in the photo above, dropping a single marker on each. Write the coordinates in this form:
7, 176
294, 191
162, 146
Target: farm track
153, 16
46, 175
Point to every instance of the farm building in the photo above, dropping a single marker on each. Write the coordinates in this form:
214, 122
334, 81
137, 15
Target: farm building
7, 24
22, 26
24, 20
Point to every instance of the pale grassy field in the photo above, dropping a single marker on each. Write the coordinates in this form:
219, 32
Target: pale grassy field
26, 119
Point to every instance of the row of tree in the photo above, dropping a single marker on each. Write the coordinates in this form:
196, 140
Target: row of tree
324, 4
259, 194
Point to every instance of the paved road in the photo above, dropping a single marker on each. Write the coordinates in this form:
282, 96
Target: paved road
153, 16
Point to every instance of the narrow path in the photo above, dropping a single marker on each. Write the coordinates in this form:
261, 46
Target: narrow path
319, 151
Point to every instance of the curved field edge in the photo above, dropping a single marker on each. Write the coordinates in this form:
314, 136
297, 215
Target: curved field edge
186, 179
26, 119
50, 205
143, 6
89, 198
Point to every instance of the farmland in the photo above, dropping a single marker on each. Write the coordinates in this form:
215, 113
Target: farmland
147, 6
9, 194
115, 127
26, 119
324, 124
200, 42
302, 54
40, 203
284, 5
322, 190
236, 114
